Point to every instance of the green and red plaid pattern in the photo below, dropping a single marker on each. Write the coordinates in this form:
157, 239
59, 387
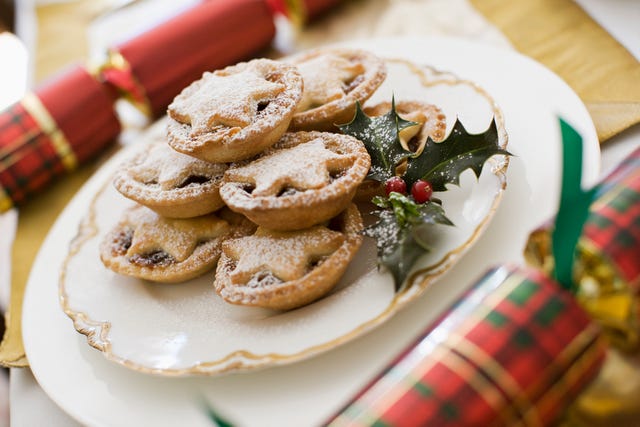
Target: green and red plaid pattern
613, 227
28, 157
515, 350
52, 131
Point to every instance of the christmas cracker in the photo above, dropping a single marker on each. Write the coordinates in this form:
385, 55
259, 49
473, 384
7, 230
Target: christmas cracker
607, 265
516, 348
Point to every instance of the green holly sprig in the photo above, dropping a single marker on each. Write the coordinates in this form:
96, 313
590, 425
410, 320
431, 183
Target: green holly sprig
404, 219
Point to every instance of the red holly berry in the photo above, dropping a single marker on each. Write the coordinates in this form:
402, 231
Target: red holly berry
395, 184
421, 191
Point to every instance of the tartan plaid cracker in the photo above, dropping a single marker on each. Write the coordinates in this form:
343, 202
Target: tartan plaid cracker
29, 157
613, 227
515, 350
607, 265
609, 256
50, 132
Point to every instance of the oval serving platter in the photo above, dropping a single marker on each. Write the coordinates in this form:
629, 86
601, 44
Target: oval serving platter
186, 329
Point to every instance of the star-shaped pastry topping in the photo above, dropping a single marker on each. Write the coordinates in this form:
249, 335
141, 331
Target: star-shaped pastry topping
177, 237
305, 166
229, 100
286, 254
324, 79
170, 169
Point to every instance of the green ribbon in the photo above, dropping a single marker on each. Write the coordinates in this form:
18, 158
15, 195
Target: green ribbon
215, 418
573, 210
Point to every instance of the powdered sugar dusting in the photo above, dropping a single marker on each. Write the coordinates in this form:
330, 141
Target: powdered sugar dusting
263, 278
325, 78
431, 119
286, 254
302, 167
291, 208
353, 74
223, 99
167, 169
176, 237
245, 114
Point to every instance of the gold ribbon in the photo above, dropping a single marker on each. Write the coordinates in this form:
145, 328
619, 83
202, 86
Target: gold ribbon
132, 90
296, 12
5, 201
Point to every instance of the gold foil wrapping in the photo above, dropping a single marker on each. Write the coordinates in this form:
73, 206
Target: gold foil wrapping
600, 290
613, 398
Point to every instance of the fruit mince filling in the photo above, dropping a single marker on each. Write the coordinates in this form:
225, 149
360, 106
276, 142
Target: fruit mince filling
194, 180
122, 242
263, 278
287, 191
350, 85
336, 174
152, 259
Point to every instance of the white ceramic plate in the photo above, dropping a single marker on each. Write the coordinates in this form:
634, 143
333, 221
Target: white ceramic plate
98, 392
187, 329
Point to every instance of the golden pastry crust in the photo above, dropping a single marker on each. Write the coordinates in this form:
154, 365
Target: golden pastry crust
367, 190
305, 179
234, 113
334, 80
288, 269
148, 246
172, 184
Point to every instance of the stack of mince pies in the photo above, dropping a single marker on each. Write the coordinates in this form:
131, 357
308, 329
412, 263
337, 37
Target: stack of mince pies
250, 174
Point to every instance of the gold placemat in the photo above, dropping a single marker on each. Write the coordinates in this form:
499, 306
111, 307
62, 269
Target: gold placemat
561, 35
62, 34
34, 222
61, 40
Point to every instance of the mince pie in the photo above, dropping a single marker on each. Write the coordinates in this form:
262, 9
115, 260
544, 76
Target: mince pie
234, 113
287, 269
305, 179
334, 79
172, 184
148, 246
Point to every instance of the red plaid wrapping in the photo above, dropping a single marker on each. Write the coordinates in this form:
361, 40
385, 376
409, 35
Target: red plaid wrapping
613, 226
516, 348
609, 256
48, 133
167, 58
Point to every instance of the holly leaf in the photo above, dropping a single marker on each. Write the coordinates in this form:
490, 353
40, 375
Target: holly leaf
401, 252
442, 163
398, 232
380, 136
